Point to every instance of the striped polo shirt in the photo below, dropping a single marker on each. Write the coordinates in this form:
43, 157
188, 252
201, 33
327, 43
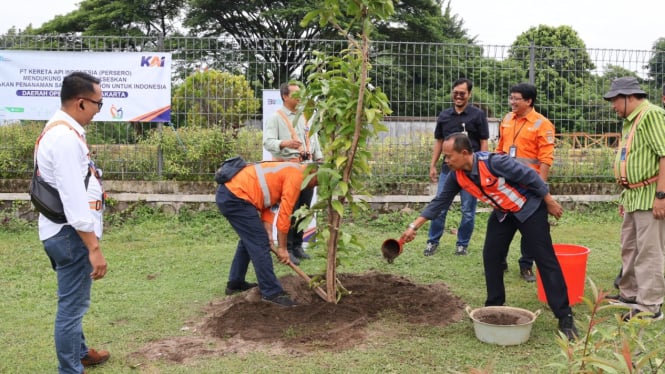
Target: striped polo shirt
646, 149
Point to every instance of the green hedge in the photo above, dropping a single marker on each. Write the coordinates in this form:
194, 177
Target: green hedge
194, 153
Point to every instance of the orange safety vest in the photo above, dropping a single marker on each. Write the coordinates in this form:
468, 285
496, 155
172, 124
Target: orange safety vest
268, 184
492, 190
535, 143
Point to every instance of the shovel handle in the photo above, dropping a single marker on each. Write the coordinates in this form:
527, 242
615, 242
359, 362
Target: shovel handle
319, 291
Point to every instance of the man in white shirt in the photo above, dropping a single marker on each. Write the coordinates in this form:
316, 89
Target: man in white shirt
63, 159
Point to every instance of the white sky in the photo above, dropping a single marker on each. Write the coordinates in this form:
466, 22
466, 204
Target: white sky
615, 24
606, 24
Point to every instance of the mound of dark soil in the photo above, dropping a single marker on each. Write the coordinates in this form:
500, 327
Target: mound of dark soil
243, 322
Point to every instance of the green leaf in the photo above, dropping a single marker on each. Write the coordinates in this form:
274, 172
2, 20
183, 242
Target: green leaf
338, 207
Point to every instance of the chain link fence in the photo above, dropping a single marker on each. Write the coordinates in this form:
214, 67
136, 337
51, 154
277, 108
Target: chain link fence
416, 77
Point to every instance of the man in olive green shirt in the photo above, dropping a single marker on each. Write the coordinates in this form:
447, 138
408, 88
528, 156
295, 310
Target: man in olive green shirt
639, 168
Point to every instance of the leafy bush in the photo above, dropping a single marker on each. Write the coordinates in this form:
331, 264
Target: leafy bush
214, 99
610, 345
192, 153
583, 165
17, 145
198, 151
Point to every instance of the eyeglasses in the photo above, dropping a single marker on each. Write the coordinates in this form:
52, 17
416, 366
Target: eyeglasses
515, 98
459, 94
99, 103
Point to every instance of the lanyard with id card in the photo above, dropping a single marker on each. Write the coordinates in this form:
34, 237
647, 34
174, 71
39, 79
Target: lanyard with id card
512, 151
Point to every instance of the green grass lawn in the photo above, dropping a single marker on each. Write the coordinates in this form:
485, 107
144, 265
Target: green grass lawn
164, 269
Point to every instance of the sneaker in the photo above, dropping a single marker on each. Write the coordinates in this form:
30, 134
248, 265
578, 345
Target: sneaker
567, 327
461, 251
233, 288
293, 258
281, 299
640, 314
300, 253
527, 275
431, 249
618, 299
95, 357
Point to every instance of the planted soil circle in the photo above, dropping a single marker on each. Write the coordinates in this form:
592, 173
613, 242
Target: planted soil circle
243, 323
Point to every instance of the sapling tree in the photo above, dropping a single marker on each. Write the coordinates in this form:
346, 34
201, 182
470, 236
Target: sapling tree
346, 112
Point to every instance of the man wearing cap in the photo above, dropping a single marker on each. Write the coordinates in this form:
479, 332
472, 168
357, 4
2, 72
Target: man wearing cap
637, 168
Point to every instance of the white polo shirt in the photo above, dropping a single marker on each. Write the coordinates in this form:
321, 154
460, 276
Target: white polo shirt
63, 159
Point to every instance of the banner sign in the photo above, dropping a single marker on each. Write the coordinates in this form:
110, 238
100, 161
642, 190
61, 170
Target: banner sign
135, 86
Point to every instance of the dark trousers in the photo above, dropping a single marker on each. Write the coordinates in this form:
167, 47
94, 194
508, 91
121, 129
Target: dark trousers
254, 243
536, 234
526, 260
295, 236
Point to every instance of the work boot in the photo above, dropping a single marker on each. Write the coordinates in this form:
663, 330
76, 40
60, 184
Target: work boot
299, 252
618, 278
567, 326
430, 249
235, 287
619, 300
95, 357
293, 258
461, 251
527, 275
640, 314
281, 299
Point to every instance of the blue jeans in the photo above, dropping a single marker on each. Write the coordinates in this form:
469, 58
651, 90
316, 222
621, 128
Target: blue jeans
69, 258
254, 243
468, 208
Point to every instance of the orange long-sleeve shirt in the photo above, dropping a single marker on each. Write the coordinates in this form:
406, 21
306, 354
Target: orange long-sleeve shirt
533, 135
267, 184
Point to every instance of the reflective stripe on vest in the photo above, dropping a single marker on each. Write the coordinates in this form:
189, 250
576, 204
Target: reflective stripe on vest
262, 170
538, 123
495, 191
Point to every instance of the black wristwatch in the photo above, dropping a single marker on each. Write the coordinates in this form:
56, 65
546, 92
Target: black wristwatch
660, 195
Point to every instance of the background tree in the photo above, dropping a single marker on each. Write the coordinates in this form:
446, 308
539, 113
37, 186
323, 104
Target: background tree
214, 99
118, 18
657, 63
417, 77
283, 56
121, 18
267, 32
562, 68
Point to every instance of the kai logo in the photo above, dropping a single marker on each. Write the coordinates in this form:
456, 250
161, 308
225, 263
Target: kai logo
153, 61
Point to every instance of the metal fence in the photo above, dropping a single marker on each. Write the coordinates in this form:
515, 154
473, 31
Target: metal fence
415, 76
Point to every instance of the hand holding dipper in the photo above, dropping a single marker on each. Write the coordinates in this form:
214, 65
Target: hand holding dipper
392, 248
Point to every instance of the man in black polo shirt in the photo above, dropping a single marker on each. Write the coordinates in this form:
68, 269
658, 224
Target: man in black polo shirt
468, 119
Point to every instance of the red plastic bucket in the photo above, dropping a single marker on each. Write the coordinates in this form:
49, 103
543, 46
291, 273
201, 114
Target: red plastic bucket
572, 259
